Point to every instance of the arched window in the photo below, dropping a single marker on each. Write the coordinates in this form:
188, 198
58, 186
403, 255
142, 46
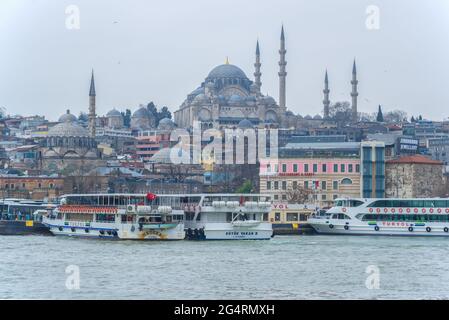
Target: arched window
346, 181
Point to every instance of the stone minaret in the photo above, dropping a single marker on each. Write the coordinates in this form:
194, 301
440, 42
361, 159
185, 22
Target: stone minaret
92, 114
282, 72
354, 93
326, 101
257, 73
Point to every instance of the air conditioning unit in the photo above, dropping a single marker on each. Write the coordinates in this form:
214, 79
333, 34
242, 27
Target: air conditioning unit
131, 208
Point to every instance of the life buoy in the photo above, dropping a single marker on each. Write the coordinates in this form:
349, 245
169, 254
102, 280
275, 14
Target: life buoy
385, 210
408, 210
447, 210
423, 210
393, 210
428, 229
415, 210
439, 210
401, 210
371, 210
60, 228
410, 229
86, 230
431, 210
346, 227
343, 209
376, 228
331, 226
446, 229
378, 210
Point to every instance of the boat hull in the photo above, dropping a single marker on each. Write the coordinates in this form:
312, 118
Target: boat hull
226, 231
381, 230
114, 231
20, 228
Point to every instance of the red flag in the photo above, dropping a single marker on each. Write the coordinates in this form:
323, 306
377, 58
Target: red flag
151, 196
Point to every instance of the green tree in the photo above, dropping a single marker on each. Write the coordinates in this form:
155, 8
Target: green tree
246, 187
126, 118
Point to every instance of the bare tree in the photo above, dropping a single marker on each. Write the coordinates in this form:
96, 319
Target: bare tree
298, 195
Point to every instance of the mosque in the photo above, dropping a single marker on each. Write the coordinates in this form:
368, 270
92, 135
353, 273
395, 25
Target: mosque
227, 98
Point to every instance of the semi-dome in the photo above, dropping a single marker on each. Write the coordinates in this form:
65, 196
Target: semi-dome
245, 124
201, 99
68, 129
114, 113
235, 99
269, 100
227, 71
67, 117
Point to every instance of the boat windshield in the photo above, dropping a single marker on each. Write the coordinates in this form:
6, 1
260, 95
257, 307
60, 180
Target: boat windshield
348, 203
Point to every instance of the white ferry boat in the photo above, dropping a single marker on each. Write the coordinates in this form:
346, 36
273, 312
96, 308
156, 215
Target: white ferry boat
119, 216
163, 217
406, 217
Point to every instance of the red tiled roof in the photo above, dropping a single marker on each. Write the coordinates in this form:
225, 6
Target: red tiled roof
418, 159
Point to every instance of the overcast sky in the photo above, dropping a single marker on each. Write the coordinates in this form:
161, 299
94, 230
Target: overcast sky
144, 50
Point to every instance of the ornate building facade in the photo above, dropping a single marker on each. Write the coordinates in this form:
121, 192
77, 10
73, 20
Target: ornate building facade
228, 96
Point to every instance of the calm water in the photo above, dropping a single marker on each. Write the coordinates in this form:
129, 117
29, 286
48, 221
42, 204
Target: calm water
288, 267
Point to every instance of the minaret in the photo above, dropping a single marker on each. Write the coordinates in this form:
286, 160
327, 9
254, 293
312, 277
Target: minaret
354, 93
282, 72
326, 101
92, 114
257, 73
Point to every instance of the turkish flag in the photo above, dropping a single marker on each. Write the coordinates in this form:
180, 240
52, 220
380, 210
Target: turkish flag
151, 196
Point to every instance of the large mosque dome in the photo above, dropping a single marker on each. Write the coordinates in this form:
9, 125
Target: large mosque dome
226, 71
68, 129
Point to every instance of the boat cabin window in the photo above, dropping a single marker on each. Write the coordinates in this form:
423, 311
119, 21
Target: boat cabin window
348, 203
100, 217
340, 216
410, 204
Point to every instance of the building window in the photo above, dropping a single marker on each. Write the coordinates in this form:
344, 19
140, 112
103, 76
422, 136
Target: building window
23, 185
334, 196
306, 184
346, 181
335, 185
295, 185
323, 185
277, 216
324, 167
306, 167
276, 197
315, 167
335, 167
6, 186
292, 216
39, 185
357, 168
350, 168
284, 185
276, 185
284, 197
51, 185
342, 168
284, 167
323, 197
268, 185
268, 167
295, 167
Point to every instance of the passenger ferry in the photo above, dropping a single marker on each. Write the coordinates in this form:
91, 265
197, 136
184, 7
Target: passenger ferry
24, 216
163, 217
116, 216
406, 217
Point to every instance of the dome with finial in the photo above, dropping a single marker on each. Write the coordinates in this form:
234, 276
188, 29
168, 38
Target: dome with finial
226, 71
67, 117
114, 113
142, 112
